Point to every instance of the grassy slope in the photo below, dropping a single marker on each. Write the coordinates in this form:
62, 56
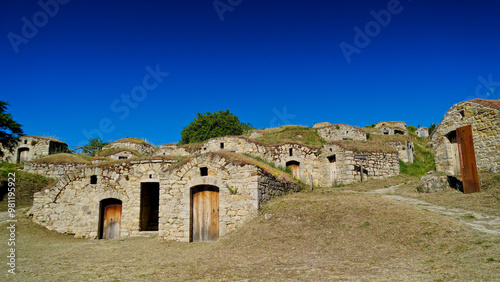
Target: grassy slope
291, 134
26, 185
322, 235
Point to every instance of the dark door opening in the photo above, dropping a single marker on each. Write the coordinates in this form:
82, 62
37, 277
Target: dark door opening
204, 213
333, 169
150, 203
23, 155
110, 216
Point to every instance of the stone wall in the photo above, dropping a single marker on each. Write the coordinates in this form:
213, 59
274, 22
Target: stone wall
171, 150
72, 205
485, 122
37, 147
335, 132
405, 150
391, 128
142, 147
51, 170
123, 155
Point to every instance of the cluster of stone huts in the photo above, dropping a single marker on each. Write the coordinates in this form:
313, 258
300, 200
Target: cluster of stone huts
32, 147
201, 192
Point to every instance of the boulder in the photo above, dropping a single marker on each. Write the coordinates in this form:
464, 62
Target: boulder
432, 182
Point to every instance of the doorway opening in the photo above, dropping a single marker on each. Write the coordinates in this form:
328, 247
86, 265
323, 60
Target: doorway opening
150, 203
295, 167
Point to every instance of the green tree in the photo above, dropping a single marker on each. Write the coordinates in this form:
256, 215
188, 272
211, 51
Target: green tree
431, 128
210, 125
94, 145
10, 131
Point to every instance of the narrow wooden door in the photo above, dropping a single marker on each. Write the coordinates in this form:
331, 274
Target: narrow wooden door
333, 172
295, 169
455, 159
111, 221
205, 214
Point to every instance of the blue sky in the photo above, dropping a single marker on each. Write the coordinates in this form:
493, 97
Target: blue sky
75, 69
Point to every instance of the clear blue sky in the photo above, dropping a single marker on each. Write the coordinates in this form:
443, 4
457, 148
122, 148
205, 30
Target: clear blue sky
66, 68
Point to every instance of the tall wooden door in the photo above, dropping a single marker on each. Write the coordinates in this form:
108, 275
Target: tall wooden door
295, 167
455, 159
333, 172
23, 155
112, 217
468, 166
205, 213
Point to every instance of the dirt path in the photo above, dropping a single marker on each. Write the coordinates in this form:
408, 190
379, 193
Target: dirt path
480, 221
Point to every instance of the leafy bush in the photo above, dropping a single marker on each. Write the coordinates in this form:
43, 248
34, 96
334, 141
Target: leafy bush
211, 125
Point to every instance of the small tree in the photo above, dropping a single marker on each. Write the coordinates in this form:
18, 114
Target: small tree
211, 125
10, 131
95, 144
431, 128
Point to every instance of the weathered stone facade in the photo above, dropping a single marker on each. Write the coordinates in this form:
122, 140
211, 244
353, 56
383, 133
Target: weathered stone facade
139, 145
484, 117
391, 128
33, 147
74, 204
51, 170
422, 132
335, 132
405, 150
123, 155
171, 150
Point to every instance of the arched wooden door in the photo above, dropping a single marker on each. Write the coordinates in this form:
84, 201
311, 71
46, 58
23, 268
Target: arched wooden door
205, 213
295, 167
111, 217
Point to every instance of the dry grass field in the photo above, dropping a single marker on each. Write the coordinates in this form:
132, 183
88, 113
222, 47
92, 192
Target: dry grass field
325, 234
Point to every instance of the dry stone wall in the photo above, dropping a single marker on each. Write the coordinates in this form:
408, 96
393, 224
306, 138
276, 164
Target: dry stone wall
485, 122
72, 205
36, 147
51, 170
336, 132
143, 148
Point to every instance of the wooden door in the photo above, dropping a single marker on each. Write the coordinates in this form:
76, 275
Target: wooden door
205, 213
455, 158
24, 155
333, 172
467, 158
295, 167
111, 221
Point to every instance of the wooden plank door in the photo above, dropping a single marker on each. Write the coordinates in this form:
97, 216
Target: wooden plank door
468, 166
205, 215
111, 221
455, 158
295, 169
333, 173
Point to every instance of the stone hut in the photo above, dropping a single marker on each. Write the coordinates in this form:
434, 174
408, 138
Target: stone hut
118, 153
484, 118
56, 165
335, 132
422, 132
198, 199
391, 128
33, 147
172, 150
141, 146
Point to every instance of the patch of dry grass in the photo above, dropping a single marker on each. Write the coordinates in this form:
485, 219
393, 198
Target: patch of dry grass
364, 146
112, 151
62, 158
131, 140
320, 235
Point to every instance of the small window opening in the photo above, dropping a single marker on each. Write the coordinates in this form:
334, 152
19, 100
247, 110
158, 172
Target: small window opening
347, 132
399, 132
386, 132
290, 152
122, 158
93, 179
462, 113
164, 154
126, 177
204, 171
222, 145
331, 150
204, 149
150, 176
25, 141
